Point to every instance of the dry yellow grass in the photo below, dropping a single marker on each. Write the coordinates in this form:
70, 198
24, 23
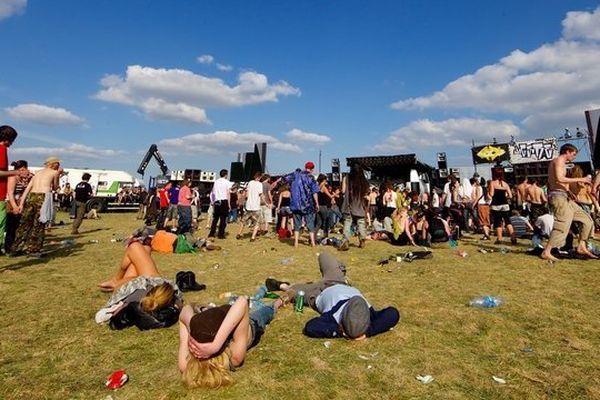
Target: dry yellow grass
51, 348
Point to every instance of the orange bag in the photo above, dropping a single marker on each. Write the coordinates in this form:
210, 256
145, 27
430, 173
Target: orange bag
163, 242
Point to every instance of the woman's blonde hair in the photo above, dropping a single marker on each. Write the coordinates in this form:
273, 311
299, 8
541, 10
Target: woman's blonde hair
158, 297
211, 373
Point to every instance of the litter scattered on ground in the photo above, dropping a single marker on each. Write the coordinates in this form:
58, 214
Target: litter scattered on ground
505, 250
462, 253
527, 350
327, 344
485, 251
486, 302
499, 381
216, 266
425, 379
94, 241
117, 379
369, 356
287, 261
369, 367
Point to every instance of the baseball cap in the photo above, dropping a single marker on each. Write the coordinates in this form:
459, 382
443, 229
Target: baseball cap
309, 165
356, 317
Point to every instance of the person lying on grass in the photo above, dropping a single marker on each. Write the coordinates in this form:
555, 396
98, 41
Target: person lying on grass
344, 310
136, 262
139, 287
213, 341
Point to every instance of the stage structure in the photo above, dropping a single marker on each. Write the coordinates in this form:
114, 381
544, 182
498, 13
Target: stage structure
401, 168
248, 164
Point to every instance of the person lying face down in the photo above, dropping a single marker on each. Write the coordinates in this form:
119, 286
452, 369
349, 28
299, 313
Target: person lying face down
214, 341
344, 310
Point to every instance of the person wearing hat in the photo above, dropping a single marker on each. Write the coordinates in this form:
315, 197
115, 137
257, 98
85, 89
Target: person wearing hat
344, 310
304, 200
37, 208
214, 341
7, 137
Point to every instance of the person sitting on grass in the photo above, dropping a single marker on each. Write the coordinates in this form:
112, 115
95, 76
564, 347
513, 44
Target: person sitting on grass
401, 228
344, 310
214, 341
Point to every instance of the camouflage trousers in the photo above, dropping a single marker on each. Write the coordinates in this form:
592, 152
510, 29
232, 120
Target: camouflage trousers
31, 232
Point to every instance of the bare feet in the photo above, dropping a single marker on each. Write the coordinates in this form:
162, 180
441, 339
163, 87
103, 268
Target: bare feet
584, 251
107, 286
548, 256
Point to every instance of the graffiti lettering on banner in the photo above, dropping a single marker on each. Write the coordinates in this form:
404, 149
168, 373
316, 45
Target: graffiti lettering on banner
533, 151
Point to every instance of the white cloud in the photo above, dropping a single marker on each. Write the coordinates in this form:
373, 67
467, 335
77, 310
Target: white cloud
8, 8
43, 115
297, 134
224, 67
220, 141
546, 88
72, 151
452, 132
205, 59
182, 95
581, 24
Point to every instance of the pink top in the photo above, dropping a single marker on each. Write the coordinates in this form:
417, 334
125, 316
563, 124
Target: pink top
185, 194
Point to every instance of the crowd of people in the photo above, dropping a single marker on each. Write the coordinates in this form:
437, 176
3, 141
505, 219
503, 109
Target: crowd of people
214, 340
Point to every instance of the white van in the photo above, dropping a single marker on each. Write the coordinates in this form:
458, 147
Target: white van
105, 183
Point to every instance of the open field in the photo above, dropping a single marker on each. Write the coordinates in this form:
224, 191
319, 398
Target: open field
51, 348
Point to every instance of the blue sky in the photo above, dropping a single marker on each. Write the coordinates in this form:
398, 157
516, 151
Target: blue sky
97, 82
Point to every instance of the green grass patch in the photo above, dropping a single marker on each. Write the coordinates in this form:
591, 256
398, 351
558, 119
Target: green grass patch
51, 348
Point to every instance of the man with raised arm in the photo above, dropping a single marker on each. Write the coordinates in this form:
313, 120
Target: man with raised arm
563, 206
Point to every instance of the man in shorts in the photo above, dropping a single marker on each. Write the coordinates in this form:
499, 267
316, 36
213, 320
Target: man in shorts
563, 206
252, 216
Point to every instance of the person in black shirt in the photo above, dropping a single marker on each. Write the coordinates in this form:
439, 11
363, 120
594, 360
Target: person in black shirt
83, 192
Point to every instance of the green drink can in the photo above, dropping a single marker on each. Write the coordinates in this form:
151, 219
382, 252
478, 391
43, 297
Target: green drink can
299, 303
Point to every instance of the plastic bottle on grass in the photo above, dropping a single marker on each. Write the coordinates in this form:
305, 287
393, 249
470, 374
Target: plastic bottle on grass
287, 261
486, 302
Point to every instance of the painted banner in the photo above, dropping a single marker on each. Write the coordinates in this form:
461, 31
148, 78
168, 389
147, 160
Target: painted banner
533, 151
490, 153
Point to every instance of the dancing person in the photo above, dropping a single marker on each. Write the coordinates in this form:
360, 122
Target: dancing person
324, 198
184, 207
7, 137
354, 209
537, 199
252, 215
304, 202
37, 209
221, 192
500, 193
163, 195
284, 211
83, 193
563, 206
16, 185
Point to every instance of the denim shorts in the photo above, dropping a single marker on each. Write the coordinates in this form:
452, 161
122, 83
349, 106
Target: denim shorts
309, 218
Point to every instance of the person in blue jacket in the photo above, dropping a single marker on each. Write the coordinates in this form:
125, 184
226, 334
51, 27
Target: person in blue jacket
344, 310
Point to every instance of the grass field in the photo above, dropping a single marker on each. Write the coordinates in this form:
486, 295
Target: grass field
51, 348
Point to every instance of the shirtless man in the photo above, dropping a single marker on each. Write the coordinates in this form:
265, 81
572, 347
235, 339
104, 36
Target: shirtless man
522, 193
31, 231
537, 200
563, 206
